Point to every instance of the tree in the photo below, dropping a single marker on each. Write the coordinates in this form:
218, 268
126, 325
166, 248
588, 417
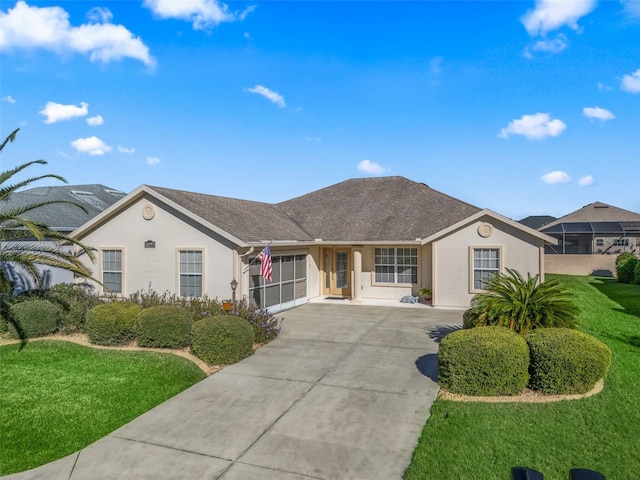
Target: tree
522, 305
26, 256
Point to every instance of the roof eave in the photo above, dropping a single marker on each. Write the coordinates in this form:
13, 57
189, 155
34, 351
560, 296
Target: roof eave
135, 195
492, 214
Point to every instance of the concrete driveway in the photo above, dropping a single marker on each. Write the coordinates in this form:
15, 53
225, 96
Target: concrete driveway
342, 394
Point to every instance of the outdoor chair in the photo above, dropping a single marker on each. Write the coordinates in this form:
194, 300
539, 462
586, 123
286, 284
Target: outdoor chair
525, 473
584, 474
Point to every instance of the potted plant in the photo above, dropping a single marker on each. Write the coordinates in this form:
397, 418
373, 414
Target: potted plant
425, 294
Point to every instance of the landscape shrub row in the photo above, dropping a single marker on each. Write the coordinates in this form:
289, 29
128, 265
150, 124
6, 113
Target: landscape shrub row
489, 361
152, 319
628, 268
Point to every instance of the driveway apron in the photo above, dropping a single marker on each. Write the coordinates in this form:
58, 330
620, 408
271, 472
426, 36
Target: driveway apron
343, 393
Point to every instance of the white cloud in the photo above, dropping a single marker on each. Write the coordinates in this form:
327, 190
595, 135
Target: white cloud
100, 15
598, 113
372, 168
95, 121
247, 35
557, 176
556, 45
269, 95
631, 83
313, 139
91, 145
586, 181
128, 151
550, 15
603, 87
153, 161
26, 27
57, 112
534, 127
632, 7
435, 65
203, 14
8, 99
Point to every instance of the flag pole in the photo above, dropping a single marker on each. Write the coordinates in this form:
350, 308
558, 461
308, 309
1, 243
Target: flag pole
256, 257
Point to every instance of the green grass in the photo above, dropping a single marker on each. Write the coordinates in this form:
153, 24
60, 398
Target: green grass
58, 397
469, 441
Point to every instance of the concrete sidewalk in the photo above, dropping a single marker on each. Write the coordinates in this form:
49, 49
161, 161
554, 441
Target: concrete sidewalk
342, 394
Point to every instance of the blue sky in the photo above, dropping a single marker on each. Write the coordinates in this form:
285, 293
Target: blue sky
522, 107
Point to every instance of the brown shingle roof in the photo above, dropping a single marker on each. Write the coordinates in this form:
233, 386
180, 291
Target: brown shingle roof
376, 209
597, 212
249, 221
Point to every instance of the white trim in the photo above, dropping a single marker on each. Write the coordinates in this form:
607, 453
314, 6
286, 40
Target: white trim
133, 197
100, 259
494, 215
472, 249
203, 266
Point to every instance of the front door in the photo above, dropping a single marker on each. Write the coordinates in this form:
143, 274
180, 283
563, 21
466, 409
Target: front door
337, 272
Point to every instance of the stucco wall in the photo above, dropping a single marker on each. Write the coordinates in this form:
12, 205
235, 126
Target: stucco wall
604, 265
388, 291
158, 266
452, 259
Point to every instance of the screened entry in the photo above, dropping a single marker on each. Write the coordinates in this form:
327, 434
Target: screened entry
288, 285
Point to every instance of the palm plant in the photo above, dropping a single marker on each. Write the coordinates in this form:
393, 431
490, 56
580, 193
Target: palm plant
522, 305
26, 256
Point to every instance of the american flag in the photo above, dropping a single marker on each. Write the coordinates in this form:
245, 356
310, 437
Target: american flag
265, 259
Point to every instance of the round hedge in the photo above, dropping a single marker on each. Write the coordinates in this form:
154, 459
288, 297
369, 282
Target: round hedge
222, 339
36, 318
484, 361
112, 323
163, 326
566, 361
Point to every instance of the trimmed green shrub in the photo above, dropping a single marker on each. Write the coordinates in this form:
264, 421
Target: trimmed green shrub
112, 323
222, 339
625, 267
36, 318
522, 304
484, 361
565, 361
198, 308
163, 326
636, 273
76, 301
265, 325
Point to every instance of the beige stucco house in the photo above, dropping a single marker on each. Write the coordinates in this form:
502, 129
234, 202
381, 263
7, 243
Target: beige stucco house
590, 239
361, 239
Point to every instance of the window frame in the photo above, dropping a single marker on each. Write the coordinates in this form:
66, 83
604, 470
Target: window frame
395, 266
105, 290
472, 269
179, 273
277, 282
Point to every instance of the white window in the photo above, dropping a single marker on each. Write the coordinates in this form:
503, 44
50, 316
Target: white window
486, 263
396, 265
190, 273
621, 242
112, 271
599, 242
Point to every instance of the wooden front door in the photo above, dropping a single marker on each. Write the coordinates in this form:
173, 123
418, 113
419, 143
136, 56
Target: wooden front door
337, 271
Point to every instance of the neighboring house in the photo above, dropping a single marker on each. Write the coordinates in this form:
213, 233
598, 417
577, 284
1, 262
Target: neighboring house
537, 221
373, 238
590, 239
61, 217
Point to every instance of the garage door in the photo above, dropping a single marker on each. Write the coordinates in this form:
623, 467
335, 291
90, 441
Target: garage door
288, 285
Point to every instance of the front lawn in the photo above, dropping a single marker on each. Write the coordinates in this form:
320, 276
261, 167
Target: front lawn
58, 397
469, 441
